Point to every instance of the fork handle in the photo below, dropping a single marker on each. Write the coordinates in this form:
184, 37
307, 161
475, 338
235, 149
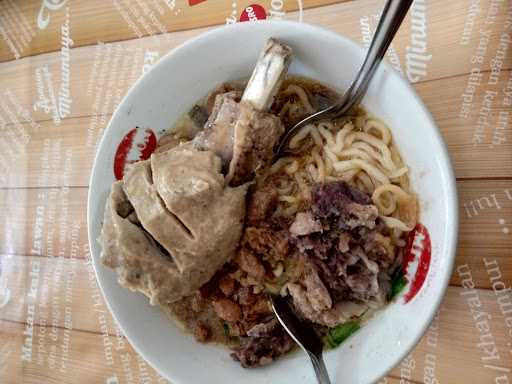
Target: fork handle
392, 16
320, 370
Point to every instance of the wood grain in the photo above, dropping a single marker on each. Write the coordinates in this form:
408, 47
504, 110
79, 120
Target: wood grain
45, 167
482, 205
85, 359
92, 106
109, 24
23, 168
344, 18
63, 284
480, 234
42, 221
450, 343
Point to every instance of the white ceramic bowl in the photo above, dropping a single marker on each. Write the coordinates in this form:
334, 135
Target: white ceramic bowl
187, 74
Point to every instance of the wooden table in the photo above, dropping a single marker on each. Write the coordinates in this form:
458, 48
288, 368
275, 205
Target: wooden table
64, 67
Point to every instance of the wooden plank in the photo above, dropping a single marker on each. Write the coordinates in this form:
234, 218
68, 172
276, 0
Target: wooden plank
475, 152
451, 350
91, 358
10, 363
93, 71
450, 346
481, 236
44, 171
64, 291
479, 143
485, 209
90, 64
55, 156
110, 20
48, 222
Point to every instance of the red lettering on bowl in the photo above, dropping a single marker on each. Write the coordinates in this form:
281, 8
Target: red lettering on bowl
129, 152
253, 12
419, 249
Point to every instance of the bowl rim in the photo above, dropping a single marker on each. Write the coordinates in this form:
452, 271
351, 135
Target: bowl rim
443, 156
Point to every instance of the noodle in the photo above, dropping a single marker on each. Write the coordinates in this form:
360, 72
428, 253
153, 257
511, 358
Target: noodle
372, 140
395, 223
319, 165
370, 169
340, 136
292, 168
299, 136
385, 134
358, 150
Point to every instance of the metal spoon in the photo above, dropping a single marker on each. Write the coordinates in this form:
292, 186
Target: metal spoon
392, 16
303, 334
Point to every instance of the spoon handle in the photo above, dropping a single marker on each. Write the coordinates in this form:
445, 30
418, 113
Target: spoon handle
320, 369
392, 16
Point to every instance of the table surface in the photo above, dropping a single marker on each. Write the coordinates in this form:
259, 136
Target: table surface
64, 67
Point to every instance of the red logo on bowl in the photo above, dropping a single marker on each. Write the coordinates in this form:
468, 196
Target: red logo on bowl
194, 2
416, 262
136, 145
253, 12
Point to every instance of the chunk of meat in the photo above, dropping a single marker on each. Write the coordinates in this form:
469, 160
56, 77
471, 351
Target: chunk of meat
250, 264
380, 249
339, 313
223, 88
262, 350
227, 285
273, 245
344, 242
256, 134
362, 276
139, 262
244, 134
180, 199
349, 252
261, 204
261, 329
219, 131
227, 309
361, 215
260, 309
347, 206
245, 296
316, 292
305, 224
301, 301
202, 333
316, 244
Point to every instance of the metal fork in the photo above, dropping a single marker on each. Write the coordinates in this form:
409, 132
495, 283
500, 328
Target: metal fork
303, 334
392, 16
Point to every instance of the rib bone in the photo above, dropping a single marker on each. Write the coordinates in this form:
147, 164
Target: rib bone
244, 134
268, 75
